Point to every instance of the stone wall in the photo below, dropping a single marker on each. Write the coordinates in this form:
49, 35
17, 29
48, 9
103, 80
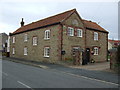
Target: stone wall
101, 44
37, 52
72, 41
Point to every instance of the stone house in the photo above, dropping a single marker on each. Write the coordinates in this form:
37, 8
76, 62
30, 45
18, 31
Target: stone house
3, 42
57, 37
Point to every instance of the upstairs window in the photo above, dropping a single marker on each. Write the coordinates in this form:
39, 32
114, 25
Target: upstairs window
70, 31
95, 50
79, 32
13, 51
34, 40
95, 36
46, 51
47, 34
13, 40
25, 51
25, 38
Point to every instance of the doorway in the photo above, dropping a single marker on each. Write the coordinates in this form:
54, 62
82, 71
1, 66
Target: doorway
87, 55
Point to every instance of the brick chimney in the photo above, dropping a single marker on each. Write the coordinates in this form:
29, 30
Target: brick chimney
22, 23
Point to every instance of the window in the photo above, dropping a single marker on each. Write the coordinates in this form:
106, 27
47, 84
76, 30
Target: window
46, 51
25, 37
34, 40
13, 39
79, 32
47, 34
95, 36
95, 50
70, 31
13, 51
25, 51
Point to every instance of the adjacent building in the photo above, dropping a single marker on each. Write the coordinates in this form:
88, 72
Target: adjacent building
58, 37
3, 42
113, 44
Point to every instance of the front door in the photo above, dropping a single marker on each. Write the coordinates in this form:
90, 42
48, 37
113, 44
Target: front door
87, 55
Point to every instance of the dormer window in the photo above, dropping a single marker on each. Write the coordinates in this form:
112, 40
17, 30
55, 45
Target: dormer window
70, 31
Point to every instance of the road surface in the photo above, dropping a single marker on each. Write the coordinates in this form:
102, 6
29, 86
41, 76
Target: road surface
16, 75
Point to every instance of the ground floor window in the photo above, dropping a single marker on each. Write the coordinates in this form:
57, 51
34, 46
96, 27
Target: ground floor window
95, 50
46, 51
25, 51
13, 51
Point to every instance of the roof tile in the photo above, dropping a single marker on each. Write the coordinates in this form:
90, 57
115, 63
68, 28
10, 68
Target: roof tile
47, 21
57, 19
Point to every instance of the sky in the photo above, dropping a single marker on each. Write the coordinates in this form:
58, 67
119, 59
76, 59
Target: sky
104, 12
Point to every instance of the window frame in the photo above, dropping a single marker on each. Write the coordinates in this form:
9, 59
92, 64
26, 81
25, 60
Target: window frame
25, 51
46, 53
13, 51
79, 33
25, 37
47, 34
35, 40
70, 31
96, 50
95, 36
13, 39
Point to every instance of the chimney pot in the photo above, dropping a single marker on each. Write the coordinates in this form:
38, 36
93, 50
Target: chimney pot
22, 23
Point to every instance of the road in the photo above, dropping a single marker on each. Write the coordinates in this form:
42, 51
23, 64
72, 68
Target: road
16, 75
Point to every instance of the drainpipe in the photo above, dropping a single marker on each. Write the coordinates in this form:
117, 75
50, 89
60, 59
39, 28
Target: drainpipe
61, 39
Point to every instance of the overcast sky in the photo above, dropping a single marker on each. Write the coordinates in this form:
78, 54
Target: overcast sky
106, 13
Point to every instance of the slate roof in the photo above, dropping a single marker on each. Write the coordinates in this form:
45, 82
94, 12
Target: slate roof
55, 20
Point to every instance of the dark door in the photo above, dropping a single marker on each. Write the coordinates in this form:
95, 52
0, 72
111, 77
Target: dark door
87, 55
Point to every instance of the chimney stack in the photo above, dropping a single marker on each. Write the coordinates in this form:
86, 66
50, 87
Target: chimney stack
22, 23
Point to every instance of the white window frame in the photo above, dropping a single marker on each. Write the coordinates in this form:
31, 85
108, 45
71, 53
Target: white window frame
79, 32
13, 50
96, 36
35, 40
70, 31
96, 50
13, 39
25, 51
25, 37
46, 52
47, 34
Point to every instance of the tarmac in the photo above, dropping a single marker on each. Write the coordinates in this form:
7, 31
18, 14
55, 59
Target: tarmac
99, 71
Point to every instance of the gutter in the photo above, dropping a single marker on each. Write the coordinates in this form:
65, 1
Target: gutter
96, 30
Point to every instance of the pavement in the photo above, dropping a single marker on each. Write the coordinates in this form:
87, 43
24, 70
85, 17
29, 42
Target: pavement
18, 75
103, 66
